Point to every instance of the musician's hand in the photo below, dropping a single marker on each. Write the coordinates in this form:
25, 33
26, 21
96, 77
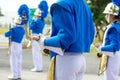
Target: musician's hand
99, 48
41, 41
36, 37
99, 55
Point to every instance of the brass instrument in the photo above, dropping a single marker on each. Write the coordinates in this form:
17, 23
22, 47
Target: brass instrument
25, 26
27, 33
23, 12
45, 52
103, 63
9, 44
51, 70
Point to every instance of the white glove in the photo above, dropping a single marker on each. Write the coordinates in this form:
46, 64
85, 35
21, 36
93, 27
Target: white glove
41, 41
35, 37
99, 48
51, 48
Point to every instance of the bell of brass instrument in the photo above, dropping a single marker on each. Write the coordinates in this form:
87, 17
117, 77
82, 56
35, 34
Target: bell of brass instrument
103, 64
103, 60
45, 52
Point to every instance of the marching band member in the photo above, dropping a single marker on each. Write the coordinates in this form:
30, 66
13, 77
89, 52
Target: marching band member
71, 36
37, 26
111, 41
16, 33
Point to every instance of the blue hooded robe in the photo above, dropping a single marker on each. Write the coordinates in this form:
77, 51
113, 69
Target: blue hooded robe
72, 26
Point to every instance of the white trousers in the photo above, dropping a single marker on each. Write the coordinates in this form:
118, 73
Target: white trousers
113, 67
70, 67
37, 56
16, 59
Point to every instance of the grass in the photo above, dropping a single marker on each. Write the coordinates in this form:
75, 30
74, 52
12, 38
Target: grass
3, 30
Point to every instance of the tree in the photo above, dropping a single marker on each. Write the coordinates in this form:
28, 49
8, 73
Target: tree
97, 7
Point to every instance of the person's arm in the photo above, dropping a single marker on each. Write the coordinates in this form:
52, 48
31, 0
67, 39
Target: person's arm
63, 20
114, 37
9, 33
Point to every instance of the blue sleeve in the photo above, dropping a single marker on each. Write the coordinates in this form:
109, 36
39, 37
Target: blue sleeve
65, 25
33, 24
92, 28
114, 41
9, 33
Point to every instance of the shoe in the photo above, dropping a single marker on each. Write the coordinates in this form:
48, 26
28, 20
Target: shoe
12, 78
35, 70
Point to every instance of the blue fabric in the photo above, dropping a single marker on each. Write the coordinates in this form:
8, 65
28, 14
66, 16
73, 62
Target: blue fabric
117, 2
37, 26
24, 11
43, 6
112, 40
16, 33
72, 25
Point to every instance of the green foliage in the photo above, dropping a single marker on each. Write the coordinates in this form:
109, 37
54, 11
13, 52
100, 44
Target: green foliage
97, 7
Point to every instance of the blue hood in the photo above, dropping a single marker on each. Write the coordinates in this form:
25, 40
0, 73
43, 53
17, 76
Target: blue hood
65, 3
74, 33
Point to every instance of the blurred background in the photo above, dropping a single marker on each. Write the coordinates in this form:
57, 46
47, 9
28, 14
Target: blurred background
8, 10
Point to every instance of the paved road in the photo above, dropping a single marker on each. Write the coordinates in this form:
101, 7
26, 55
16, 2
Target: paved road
27, 75
27, 65
92, 61
91, 73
